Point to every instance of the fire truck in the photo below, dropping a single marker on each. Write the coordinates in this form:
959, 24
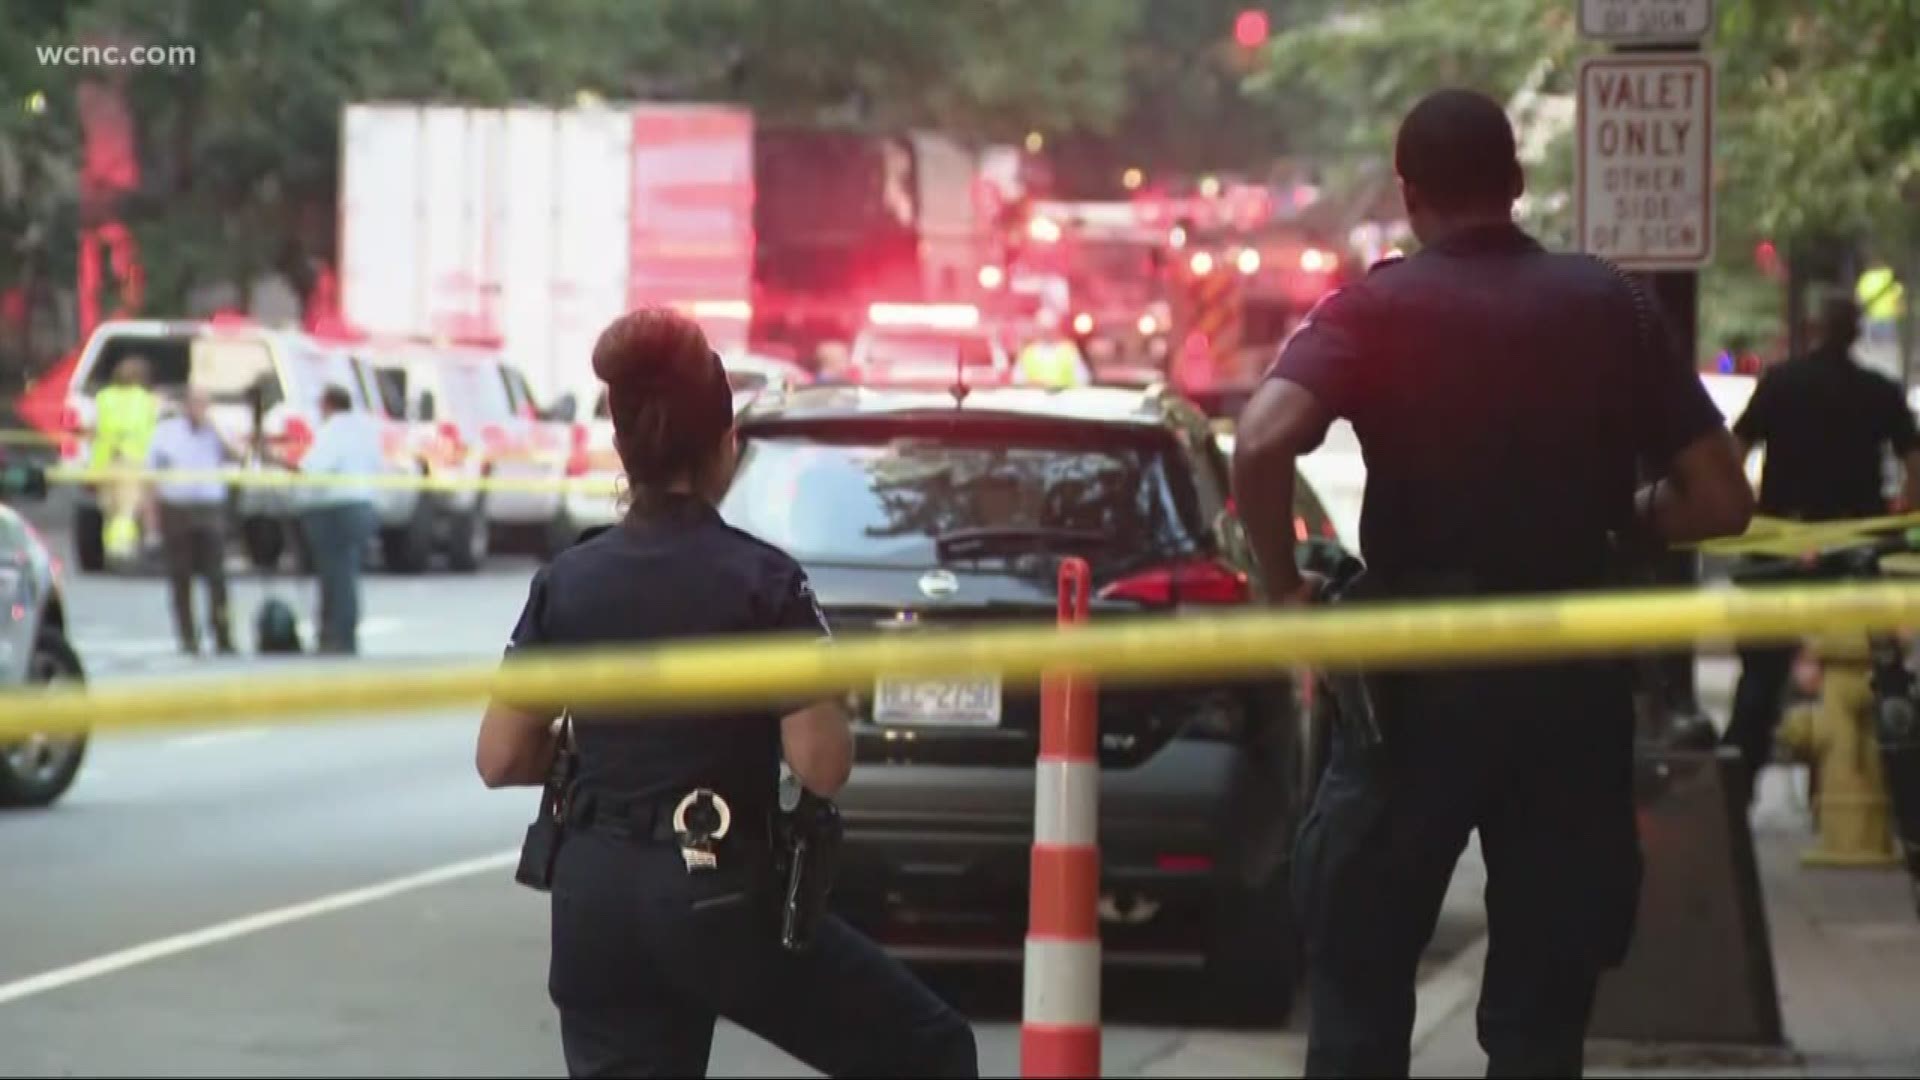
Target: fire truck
843, 220
1237, 291
1100, 267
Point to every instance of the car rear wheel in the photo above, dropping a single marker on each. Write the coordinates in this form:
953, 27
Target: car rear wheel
561, 532
470, 538
409, 548
265, 540
40, 768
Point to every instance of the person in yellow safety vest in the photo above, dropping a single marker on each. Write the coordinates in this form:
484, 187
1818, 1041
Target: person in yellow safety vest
1051, 359
1882, 301
125, 415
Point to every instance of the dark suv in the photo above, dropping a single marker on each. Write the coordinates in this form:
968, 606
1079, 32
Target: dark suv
915, 511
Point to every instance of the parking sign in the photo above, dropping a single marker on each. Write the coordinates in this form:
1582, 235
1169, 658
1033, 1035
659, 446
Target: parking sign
1645, 186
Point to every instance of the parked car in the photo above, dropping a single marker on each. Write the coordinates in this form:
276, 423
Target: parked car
35, 651
913, 511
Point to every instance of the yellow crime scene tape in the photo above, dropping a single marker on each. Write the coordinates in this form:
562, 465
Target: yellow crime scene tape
256, 478
1775, 537
762, 669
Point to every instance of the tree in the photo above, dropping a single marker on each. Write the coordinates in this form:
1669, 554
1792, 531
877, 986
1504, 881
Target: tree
239, 150
1818, 114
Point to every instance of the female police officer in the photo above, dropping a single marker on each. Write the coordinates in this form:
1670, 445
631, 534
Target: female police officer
653, 937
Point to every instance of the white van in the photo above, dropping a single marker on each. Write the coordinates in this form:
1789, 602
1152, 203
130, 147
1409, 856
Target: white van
477, 410
243, 366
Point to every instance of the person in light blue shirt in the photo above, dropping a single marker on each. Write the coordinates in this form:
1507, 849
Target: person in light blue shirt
193, 526
337, 516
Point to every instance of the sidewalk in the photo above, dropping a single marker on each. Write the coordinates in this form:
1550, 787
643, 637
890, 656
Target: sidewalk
1846, 950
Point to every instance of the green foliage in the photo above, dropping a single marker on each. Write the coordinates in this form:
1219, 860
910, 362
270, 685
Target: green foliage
239, 150
1817, 121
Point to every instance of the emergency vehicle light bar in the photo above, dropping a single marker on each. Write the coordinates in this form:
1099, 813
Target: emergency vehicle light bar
717, 309
932, 316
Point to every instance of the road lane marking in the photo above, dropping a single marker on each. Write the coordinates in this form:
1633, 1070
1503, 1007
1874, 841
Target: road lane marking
251, 924
214, 738
1444, 993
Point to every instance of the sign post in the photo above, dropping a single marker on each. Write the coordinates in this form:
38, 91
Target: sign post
1644, 197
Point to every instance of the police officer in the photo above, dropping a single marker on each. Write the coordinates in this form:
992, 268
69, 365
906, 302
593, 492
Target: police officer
1503, 396
1827, 424
664, 915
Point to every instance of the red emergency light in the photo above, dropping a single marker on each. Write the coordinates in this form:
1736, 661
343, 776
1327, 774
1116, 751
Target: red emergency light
1250, 28
1315, 261
927, 316
739, 310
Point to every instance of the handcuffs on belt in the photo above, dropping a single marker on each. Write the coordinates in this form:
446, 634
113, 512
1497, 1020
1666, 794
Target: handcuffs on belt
702, 820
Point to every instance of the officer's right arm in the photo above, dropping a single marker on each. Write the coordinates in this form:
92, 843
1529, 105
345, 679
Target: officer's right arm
1704, 492
817, 739
518, 739
1318, 376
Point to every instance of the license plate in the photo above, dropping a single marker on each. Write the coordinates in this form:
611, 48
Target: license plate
969, 702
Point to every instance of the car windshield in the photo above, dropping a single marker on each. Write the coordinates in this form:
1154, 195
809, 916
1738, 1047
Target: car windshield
886, 498
926, 349
473, 392
225, 366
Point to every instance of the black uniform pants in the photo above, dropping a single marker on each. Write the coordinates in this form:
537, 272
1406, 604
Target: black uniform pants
646, 956
1759, 701
194, 538
1546, 780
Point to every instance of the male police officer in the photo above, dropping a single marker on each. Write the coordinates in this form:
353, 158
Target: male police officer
1827, 424
1504, 397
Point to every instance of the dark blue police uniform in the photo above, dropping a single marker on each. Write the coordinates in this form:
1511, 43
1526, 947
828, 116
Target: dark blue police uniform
1505, 398
647, 952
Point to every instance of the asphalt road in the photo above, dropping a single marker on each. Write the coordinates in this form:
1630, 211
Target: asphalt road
337, 899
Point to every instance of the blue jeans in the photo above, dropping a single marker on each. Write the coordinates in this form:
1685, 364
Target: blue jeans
337, 538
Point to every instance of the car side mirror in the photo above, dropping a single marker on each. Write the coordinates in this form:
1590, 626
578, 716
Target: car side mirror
565, 409
425, 408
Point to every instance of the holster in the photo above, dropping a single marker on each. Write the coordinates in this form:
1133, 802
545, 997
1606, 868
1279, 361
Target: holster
1350, 689
808, 850
540, 851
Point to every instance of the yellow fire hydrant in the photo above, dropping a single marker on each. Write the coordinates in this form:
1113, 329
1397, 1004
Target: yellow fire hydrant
1836, 737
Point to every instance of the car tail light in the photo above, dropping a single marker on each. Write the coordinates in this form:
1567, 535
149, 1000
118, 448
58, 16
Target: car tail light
1199, 581
448, 435
393, 442
70, 424
1170, 863
296, 439
578, 461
